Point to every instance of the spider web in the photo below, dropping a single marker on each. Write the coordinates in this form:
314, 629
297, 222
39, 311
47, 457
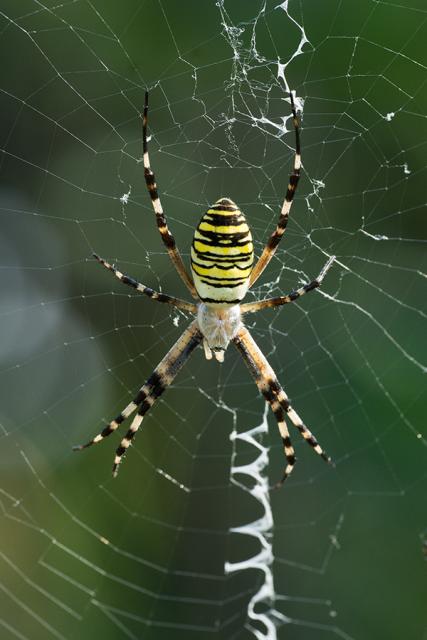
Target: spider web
188, 542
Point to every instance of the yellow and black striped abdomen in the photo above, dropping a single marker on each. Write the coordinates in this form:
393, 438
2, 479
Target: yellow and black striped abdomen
222, 254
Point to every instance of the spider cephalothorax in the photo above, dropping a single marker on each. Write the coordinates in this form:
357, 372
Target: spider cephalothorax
218, 325
223, 269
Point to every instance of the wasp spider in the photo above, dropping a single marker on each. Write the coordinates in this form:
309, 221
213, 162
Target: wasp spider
223, 269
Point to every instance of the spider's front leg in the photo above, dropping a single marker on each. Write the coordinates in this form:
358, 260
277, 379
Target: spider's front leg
156, 384
269, 386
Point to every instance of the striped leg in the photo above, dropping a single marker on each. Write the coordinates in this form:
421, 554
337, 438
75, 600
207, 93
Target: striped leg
286, 440
114, 424
276, 408
297, 422
162, 225
252, 307
269, 386
154, 295
277, 234
159, 380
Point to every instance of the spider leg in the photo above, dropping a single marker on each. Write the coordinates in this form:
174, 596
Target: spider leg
288, 449
154, 295
282, 222
251, 307
159, 380
279, 414
269, 386
162, 224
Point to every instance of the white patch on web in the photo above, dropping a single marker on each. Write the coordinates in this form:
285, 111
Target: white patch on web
124, 199
281, 67
317, 185
260, 529
282, 128
374, 236
389, 117
298, 102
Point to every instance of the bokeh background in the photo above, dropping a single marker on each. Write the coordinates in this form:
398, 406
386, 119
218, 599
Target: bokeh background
143, 556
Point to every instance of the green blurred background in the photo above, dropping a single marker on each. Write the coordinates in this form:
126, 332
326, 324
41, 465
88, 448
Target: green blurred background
140, 556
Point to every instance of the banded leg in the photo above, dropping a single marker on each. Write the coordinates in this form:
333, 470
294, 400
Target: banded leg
277, 234
159, 380
269, 386
288, 449
154, 295
252, 307
162, 224
114, 424
279, 414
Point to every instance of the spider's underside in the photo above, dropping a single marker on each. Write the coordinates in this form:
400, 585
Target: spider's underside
223, 269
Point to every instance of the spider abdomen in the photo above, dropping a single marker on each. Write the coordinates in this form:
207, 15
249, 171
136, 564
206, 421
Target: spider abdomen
222, 254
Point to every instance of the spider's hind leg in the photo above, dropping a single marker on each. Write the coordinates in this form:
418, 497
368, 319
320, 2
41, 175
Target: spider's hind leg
162, 225
276, 236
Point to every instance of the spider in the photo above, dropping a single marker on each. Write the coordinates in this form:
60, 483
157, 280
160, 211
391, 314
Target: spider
223, 269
